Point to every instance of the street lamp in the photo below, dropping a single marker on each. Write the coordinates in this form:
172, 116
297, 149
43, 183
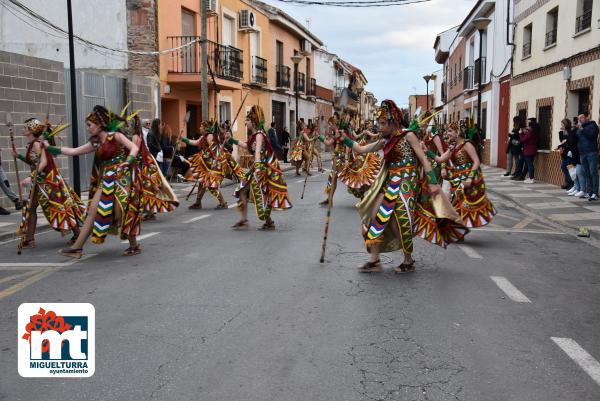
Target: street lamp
481, 25
427, 78
296, 59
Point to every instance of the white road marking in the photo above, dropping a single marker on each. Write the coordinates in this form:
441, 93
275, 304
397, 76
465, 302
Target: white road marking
524, 231
530, 195
232, 205
197, 218
550, 205
509, 289
35, 265
470, 252
141, 237
576, 216
299, 181
8, 224
580, 356
524, 223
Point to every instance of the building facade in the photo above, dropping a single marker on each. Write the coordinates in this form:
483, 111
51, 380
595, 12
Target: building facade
556, 64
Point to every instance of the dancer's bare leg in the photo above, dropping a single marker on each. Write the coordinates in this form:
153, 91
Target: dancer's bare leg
86, 229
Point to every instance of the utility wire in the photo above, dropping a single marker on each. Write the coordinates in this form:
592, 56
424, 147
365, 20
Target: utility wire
354, 4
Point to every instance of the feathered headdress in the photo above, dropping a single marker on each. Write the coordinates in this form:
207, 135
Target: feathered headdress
390, 112
256, 115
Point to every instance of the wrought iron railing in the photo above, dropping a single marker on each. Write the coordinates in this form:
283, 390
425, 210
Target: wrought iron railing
259, 70
282, 75
526, 49
551, 37
224, 61
312, 90
584, 21
468, 78
301, 82
480, 71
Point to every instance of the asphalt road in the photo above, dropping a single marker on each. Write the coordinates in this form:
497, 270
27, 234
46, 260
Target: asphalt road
206, 313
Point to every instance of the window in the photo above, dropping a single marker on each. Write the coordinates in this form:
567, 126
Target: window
551, 27
523, 117
583, 101
459, 68
224, 111
545, 121
483, 123
583, 21
527, 31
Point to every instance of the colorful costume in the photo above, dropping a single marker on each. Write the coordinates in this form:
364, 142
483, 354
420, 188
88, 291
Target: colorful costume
297, 155
472, 203
60, 204
206, 167
119, 183
360, 171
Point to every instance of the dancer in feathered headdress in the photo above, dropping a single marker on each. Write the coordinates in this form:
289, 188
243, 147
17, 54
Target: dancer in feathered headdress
60, 204
263, 184
391, 210
114, 200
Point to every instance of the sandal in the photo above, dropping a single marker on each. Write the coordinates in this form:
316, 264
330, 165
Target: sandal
240, 224
222, 206
28, 244
269, 225
72, 253
133, 250
324, 203
371, 267
149, 217
405, 268
197, 205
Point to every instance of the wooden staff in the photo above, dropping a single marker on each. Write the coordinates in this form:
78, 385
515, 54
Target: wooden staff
9, 124
192, 191
309, 168
328, 218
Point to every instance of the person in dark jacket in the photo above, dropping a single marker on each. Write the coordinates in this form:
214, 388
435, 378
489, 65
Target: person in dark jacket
529, 140
153, 142
587, 145
513, 148
274, 142
284, 142
568, 152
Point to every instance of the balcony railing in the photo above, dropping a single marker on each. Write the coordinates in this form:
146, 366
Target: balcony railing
282, 74
224, 61
259, 70
526, 49
584, 21
468, 78
312, 90
480, 71
301, 82
551, 37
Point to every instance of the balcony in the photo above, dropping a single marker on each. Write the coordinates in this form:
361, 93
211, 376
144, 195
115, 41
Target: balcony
282, 77
301, 82
444, 93
312, 90
583, 22
526, 49
480, 71
259, 70
468, 78
551, 37
224, 62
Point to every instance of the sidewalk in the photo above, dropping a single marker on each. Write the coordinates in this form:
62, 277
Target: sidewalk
10, 223
545, 200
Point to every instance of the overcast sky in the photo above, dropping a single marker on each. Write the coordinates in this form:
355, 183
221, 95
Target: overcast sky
393, 46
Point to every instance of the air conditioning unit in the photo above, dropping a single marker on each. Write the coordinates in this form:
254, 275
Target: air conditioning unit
305, 47
247, 20
211, 7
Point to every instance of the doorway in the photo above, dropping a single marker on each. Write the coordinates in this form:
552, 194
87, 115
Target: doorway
278, 115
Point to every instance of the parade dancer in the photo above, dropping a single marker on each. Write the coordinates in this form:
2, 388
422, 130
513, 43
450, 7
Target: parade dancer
466, 180
339, 157
206, 165
60, 204
263, 184
316, 148
157, 196
392, 210
300, 154
114, 186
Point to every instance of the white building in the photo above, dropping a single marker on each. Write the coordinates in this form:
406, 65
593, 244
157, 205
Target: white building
556, 70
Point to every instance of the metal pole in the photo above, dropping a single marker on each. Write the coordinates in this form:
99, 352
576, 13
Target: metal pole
427, 94
204, 61
479, 85
296, 92
74, 115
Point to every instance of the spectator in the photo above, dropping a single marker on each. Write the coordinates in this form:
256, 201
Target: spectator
587, 144
529, 140
9, 192
514, 148
168, 147
284, 142
153, 141
568, 153
274, 142
146, 128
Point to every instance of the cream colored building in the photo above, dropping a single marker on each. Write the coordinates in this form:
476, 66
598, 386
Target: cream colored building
556, 69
